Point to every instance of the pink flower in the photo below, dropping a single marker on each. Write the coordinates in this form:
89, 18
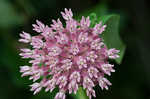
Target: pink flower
75, 76
71, 25
73, 86
39, 27
91, 56
97, 44
85, 22
67, 57
74, 49
98, 29
26, 53
57, 25
93, 72
36, 87
107, 68
67, 15
60, 95
51, 61
83, 37
50, 84
81, 62
48, 34
62, 81
67, 64
62, 38
54, 51
26, 38
26, 70
103, 82
37, 42
112, 53
88, 84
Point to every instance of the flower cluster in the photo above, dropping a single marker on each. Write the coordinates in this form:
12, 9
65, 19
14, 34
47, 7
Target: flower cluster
67, 57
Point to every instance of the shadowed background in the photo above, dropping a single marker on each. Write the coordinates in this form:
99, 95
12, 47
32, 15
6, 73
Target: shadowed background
132, 77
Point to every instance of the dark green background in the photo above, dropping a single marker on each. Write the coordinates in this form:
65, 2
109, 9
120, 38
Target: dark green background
132, 77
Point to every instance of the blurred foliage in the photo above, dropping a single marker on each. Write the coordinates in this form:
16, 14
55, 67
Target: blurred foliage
131, 79
10, 17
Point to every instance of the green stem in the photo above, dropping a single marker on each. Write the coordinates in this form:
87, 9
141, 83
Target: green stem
81, 94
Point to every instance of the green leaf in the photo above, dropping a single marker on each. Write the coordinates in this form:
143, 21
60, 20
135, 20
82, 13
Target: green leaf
111, 34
